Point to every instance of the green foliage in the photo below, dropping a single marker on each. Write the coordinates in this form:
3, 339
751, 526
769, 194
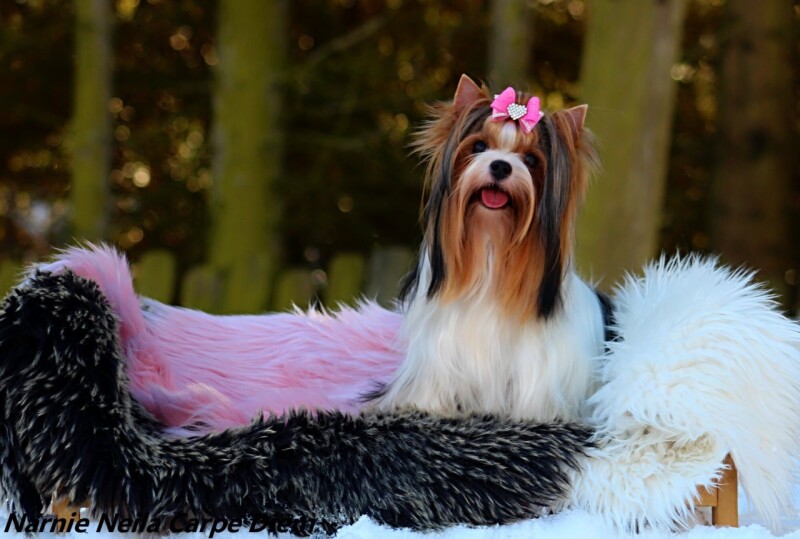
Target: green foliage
387, 267
248, 284
247, 139
161, 108
9, 276
632, 119
362, 75
345, 278
90, 128
359, 74
202, 288
35, 59
155, 275
295, 289
693, 133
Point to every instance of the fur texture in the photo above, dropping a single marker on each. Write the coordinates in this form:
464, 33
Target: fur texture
193, 370
69, 425
704, 364
699, 363
496, 318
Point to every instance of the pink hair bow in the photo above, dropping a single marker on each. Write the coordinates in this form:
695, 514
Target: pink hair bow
505, 106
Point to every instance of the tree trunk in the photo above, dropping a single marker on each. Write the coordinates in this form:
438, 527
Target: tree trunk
750, 218
91, 122
510, 43
625, 79
247, 138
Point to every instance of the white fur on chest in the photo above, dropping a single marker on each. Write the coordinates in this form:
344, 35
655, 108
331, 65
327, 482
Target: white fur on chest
466, 356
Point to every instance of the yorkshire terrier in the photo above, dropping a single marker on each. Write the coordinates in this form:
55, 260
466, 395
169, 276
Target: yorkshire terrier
496, 319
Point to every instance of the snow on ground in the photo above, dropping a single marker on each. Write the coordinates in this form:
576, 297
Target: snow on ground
567, 525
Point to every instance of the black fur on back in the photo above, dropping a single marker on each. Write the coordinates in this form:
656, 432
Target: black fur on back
70, 426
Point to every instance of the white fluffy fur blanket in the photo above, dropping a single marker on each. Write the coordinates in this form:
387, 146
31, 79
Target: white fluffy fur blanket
704, 365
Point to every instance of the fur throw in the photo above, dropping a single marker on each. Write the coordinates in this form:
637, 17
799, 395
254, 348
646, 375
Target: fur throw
69, 426
704, 364
193, 370
701, 363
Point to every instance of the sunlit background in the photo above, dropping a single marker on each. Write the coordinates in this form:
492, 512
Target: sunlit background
347, 83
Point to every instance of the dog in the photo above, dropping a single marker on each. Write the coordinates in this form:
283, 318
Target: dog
691, 363
496, 319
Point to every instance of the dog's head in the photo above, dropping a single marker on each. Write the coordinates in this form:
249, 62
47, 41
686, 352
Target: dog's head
501, 201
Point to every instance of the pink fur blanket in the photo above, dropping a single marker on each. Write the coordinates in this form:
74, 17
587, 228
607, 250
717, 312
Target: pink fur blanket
193, 369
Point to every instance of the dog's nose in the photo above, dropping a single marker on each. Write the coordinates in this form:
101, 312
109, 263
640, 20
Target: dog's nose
500, 169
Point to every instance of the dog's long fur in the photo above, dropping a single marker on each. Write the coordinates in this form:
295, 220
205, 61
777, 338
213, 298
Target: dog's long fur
496, 318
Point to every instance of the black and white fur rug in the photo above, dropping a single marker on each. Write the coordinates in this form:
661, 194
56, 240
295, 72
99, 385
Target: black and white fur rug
69, 427
705, 365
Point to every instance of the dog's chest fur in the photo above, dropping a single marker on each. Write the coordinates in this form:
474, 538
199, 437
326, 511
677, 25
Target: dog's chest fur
467, 356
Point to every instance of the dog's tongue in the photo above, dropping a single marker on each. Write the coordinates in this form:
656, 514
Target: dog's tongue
494, 199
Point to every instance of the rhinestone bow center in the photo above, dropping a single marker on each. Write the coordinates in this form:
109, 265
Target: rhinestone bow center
517, 111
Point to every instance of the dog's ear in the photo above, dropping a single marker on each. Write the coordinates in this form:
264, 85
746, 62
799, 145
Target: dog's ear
467, 93
576, 116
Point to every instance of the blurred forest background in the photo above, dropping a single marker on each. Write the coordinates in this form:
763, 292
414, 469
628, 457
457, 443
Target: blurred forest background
250, 153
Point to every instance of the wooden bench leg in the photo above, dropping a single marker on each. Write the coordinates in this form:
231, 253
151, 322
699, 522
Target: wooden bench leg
726, 512
724, 498
63, 509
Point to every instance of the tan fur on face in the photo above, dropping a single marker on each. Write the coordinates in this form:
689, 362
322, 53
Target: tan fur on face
481, 243
500, 252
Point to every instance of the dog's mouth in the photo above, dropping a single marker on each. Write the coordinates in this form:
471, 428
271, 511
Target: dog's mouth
493, 198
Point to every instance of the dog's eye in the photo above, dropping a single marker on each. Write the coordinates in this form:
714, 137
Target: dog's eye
530, 160
479, 147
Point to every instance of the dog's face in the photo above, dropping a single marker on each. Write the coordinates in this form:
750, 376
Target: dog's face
500, 202
498, 172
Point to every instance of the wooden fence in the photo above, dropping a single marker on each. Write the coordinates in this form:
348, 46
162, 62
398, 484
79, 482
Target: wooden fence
252, 286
